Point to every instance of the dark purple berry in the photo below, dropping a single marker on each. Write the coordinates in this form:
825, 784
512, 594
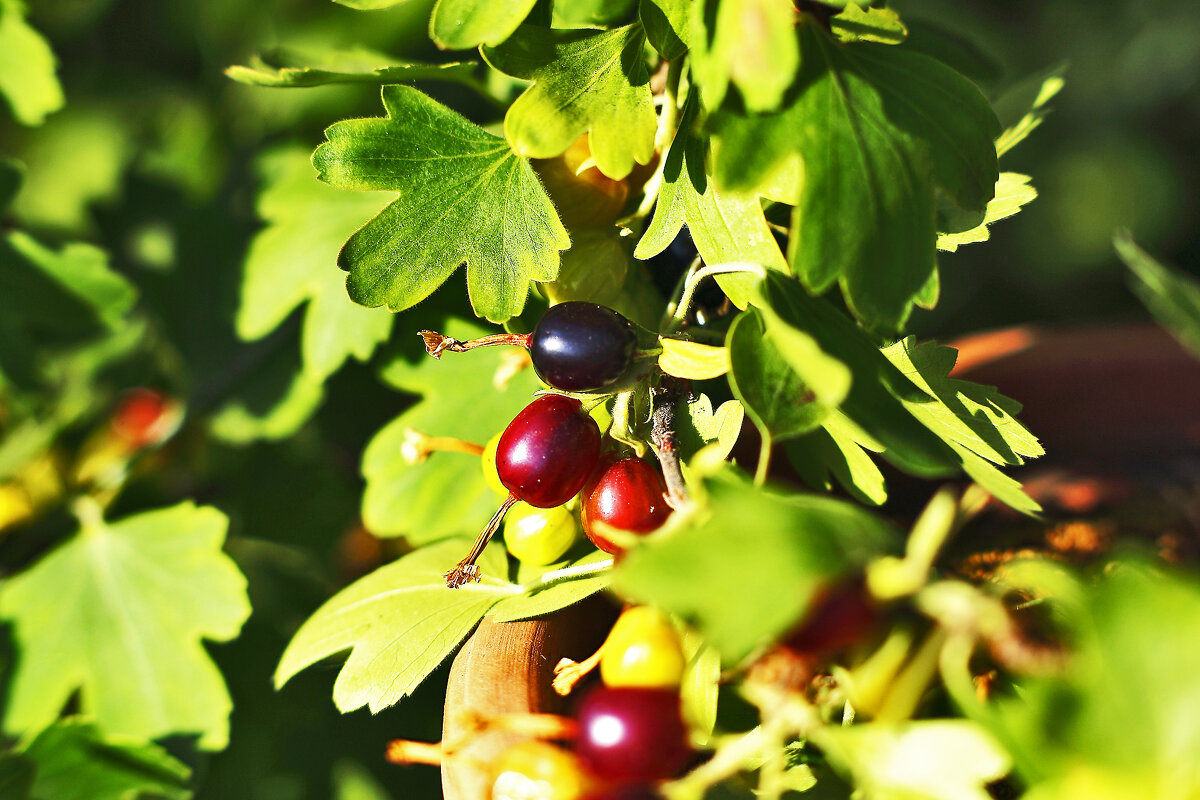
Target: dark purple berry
582, 347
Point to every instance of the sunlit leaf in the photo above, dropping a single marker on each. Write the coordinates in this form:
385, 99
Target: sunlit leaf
464, 197
294, 260
668, 25
725, 228
1013, 192
462, 24
858, 24
1023, 107
749, 43
692, 360
585, 81
28, 78
287, 67
117, 614
873, 130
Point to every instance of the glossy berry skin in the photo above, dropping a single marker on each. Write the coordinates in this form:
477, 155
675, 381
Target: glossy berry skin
642, 650
582, 347
631, 735
547, 451
627, 494
539, 536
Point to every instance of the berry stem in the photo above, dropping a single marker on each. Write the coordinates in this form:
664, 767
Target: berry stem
406, 751
417, 446
437, 343
466, 570
679, 313
662, 439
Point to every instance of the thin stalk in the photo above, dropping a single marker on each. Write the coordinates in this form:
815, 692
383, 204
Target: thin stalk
466, 570
689, 289
764, 462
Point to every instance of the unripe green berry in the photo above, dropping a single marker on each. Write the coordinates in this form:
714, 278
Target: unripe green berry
539, 535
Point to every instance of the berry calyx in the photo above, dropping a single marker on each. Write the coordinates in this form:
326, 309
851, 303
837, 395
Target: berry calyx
543, 457
539, 536
631, 735
536, 769
547, 452
642, 650
626, 494
580, 347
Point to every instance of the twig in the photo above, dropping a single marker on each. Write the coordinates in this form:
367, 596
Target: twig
664, 442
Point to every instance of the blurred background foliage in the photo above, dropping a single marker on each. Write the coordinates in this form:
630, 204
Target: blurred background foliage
153, 159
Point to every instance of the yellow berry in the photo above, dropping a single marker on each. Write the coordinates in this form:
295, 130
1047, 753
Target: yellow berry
642, 650
487, 461
539, 535
536, 770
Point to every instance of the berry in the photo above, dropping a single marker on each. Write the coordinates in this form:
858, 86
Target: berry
631, 735
145, 417
627, 494
536, 769
580, 347
539, 536
642, 650
487, 462
547, 452
839, 616
632, 791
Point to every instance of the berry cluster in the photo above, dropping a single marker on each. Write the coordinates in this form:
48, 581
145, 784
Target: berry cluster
629, 732
553, 449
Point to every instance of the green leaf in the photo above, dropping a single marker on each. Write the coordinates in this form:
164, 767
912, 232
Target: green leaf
370, 5
951, 759
701, 685
27, 67
463, 24
462, 193
1023, 107
839, 450
287, 67
546, 595
270, 404
894, 126
444, 495
294, 260
16, 776
873, 402
692, 360
856, 24
353, 781
667, 24
1013, 192
12, 173
398, 624
585, 81
117, 615
976, 421
591, 13
700, 426
75, 761
749, 43
1172, 296
701, 570
779, 402
725, 228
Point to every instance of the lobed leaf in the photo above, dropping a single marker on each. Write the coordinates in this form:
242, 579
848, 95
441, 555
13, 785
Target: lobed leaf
294, 261
701, 426
726, 228
667, 24
408, 498
858, 24
584, 81
465, 197
117, 615
1013, 192
873, 131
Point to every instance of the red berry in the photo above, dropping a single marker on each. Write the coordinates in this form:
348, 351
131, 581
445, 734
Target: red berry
141, 417
627, 494
631, 735
839, 616
547, 452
